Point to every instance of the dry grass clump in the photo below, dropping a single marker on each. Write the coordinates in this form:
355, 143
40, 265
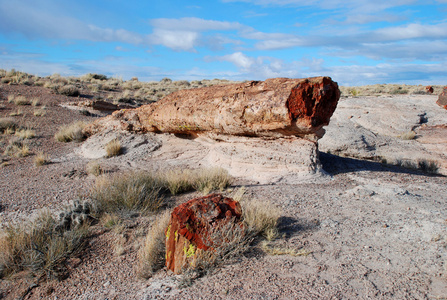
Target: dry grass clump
68, 90
35, 101
207, 180
204, 180
133, 191
40, 112
94, 168
41, 159
113, 148
261, 217
25, 133
178, 180
410, 135
151, 256
7, 124
38, 247
17, 148
71, 132
16, 113
21, 100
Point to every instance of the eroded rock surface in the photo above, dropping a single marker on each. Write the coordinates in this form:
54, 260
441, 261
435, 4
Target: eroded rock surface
190, 227
272, 108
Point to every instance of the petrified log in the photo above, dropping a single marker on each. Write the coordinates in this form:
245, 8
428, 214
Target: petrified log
442, 98
188, 232
271, 108
429, 89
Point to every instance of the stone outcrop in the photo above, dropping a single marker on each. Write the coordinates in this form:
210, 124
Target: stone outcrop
190, 227
442, 99
273, 108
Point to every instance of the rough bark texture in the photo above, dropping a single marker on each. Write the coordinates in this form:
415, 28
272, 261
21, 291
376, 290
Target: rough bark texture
442, 99
189, 229
271, 108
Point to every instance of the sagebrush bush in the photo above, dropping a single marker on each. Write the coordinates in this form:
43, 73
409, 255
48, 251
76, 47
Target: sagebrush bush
38, 247
151, 256
71, 132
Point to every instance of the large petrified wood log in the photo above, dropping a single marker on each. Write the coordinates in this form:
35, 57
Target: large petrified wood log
271, 108
190, 227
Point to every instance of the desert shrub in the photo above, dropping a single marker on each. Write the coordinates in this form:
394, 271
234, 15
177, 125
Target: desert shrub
17, 148
38, 247
40, 112
68, 90
113, 148
90, 76
41, 159
207, 180
166, 80
35, 101
71, 132
7, 123
110, 220
398, 90
11, 98
261, 217
151, 256
25, 133
133, 191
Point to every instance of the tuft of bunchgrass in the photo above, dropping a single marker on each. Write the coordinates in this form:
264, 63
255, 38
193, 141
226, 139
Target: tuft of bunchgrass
410, 135
68, 90
179, 180
38, 247
261, 217
17, 148
41, 159
35, 101
7, 123
134, 191
207, 180
25, 133
113, 148
151, 256
21, 100
40, 112
71, 132
94, 168
16, 113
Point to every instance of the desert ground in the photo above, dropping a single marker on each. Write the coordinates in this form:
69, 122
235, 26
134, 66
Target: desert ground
370, 223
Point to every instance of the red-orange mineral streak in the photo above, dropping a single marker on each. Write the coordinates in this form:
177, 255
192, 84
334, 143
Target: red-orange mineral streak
193, 221
442, 98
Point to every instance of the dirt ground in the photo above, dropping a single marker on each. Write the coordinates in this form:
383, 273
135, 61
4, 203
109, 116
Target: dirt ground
370, 231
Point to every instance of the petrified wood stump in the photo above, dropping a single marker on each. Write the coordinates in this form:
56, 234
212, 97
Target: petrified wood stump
190, 226
442, 99
271, 108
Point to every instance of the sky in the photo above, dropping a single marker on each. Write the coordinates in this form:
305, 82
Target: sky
356, 42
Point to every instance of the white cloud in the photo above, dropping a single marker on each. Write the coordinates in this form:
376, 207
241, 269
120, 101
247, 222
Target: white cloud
194, 24
175, 39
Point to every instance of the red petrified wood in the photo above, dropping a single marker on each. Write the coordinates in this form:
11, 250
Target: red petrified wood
429, 89
188, 232
442, 99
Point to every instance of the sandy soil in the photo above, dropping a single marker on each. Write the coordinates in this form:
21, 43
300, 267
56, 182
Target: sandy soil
371, 230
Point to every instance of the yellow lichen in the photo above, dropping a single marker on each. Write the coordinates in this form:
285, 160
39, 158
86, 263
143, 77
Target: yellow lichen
176, 235
168, 231
189, 251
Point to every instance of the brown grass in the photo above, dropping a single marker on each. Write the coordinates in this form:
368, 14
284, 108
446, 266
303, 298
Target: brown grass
25, 133
7, 123
16, 147
113, 148
151, 256
38, 248
41, 159
71, 132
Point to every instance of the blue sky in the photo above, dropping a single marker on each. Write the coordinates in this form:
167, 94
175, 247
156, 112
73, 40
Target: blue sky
356, 42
